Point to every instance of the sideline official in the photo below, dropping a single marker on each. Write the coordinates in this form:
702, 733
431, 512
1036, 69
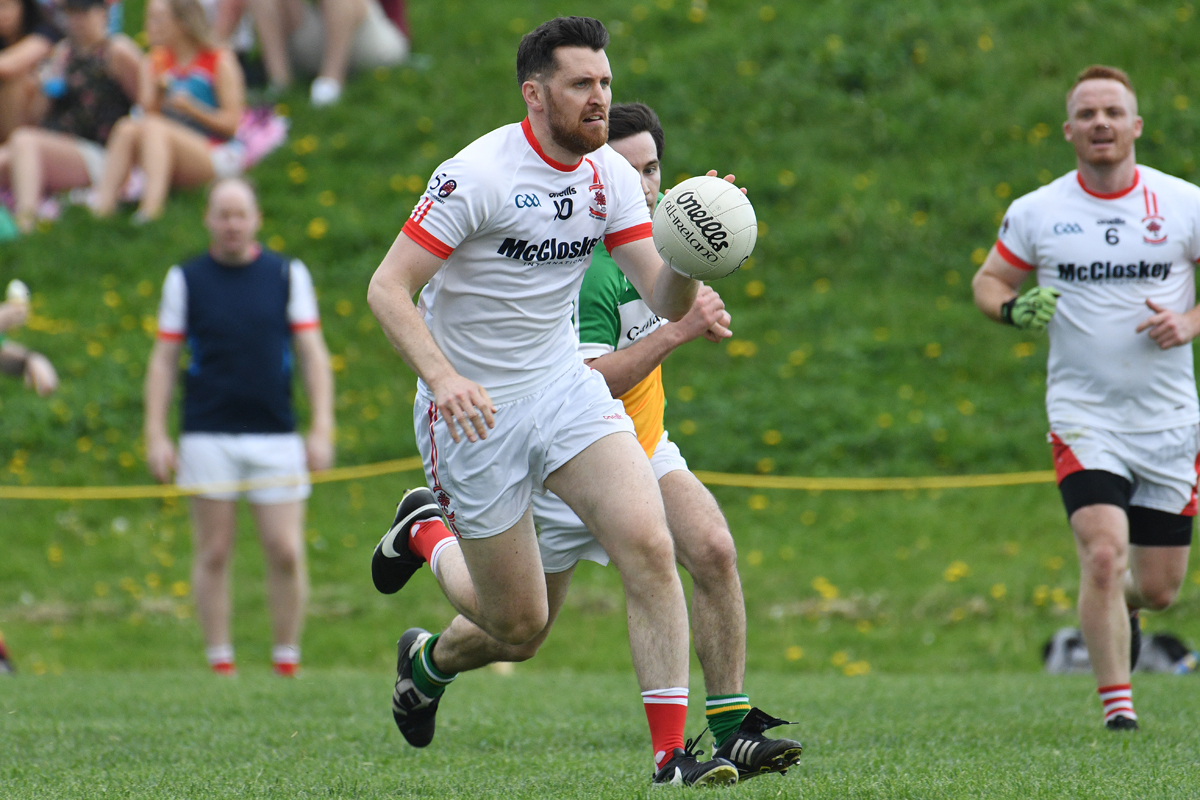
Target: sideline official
241, 310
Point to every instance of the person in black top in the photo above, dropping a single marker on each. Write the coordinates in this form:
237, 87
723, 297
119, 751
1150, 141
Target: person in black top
241, 310
26, 37
91, 80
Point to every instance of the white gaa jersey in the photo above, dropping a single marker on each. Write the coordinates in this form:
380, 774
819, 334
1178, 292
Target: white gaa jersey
1108, 254
517, 231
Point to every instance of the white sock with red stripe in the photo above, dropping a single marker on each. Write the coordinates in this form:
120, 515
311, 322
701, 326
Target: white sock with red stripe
220, 658
1118, 701
666, 711
285, 658
429, 538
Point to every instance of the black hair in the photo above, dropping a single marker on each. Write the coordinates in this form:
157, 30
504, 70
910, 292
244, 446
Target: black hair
630, 119
535, 54
32, 17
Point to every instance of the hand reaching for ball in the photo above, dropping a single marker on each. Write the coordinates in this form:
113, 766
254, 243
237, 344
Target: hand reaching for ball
712, 173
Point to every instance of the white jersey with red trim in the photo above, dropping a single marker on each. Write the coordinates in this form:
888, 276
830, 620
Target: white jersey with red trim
517, 231
1108, 255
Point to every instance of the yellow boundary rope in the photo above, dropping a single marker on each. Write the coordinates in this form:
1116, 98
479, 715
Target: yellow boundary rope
413, 463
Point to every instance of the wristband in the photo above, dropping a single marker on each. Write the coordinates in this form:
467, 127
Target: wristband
1006, 311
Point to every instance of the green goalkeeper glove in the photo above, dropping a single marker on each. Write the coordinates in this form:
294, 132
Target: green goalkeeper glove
1032, 310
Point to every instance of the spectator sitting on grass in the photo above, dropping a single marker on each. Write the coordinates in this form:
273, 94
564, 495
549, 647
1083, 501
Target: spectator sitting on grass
94, 80
19, 361
346, 35
26, 37
193, 96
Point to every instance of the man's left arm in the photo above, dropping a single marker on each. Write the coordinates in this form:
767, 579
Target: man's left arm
623, 369
318, 385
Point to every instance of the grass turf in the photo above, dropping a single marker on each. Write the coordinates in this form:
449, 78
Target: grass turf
185, 734
879, 143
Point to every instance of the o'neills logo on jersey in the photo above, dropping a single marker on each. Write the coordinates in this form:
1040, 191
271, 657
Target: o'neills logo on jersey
635, 332
567, 192
548, 250
1099, 271
702, 231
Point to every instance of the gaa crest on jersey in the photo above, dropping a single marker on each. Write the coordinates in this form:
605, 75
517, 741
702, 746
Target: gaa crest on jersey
447, 188
1155, 230
599, 205
1153, 223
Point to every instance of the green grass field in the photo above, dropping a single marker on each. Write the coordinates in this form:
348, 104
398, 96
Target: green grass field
183, 734
880, 143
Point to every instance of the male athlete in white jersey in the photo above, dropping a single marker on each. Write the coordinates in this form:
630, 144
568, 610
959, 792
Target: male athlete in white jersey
1114, 245
505, 406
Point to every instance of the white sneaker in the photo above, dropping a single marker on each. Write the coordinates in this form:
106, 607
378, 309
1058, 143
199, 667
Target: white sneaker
325, 92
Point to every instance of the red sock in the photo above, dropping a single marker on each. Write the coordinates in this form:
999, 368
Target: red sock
428, 538
1118, 701
286, 670
224, 668
666, 711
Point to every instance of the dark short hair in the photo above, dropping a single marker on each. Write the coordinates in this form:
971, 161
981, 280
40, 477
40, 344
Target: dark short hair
1101, 72
630, 119
32, 17
535, 55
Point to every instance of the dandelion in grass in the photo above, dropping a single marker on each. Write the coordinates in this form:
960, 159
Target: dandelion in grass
856, 668
998, 591
839, 658
824, 588
754, 558
956, 571
794, 653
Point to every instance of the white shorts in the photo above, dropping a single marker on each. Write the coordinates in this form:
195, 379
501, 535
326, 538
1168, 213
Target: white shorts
93, 155
485, 486
1161, 465
563, 538
215, 458
377, 42
227, 158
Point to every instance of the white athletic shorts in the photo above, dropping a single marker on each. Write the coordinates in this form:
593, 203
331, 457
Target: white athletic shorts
563, 538
376, 43
1161, 465
208, 458
485, 486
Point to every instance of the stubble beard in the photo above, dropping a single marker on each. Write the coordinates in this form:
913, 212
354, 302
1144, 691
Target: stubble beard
571, 135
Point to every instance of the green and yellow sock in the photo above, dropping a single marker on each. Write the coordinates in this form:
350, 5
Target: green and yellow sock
429, 680
724, 713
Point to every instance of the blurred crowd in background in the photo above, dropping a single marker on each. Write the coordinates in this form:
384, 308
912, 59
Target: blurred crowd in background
92, 116
88, 116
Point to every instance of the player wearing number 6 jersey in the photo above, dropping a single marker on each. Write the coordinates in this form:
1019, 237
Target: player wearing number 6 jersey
1114, 245
505, 407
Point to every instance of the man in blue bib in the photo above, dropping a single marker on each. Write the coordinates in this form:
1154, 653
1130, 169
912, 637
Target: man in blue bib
241, 310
